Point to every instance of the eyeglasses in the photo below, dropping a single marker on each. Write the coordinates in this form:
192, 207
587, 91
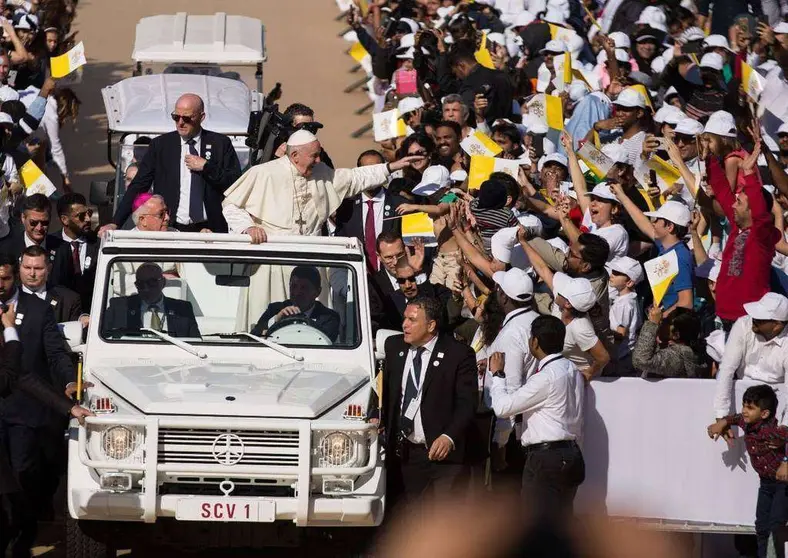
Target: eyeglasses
680, 138
35, 223
403, 280
186, 119
84, 215
159, 215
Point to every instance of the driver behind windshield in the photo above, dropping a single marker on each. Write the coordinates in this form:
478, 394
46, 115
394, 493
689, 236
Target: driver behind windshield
150, 308
304, 289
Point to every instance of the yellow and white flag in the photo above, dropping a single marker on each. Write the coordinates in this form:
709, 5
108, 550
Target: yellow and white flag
599, 163
554, 111
358, 52
666, 173
482, 167
751, 81
66, 63
558, 33
640, 88
483, 56
35, 181
479, 143
419, 225
567, 69
388, 125
660, 272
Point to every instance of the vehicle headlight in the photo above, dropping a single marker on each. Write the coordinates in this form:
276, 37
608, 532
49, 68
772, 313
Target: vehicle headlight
342, 449
120, 442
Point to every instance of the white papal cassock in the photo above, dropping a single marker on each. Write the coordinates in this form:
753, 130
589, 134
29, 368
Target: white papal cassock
276, 197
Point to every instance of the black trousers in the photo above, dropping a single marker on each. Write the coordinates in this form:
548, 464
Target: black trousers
416, 477
194, 227
20, 510
771, 515
551, 475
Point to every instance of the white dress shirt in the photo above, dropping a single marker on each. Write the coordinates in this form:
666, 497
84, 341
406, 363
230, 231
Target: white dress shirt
378, 202
417, 436
551, 402
147, 314
40, 293
83, 250
10, 334
519, 363
182, 216
748, 356
30, 242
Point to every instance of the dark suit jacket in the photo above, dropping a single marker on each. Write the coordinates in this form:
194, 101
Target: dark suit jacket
14, 243
387, 306
44, 355
124, 313
449, 394
65, 303
500, 96
160, 168
63, 270
12, 380
325, 319
350, 217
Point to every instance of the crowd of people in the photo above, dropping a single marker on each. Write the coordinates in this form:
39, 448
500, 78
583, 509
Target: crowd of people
666, 158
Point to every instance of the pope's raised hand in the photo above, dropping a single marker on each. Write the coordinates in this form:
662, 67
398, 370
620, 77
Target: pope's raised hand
406, 162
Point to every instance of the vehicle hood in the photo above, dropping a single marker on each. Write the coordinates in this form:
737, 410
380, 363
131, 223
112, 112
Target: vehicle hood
297, 391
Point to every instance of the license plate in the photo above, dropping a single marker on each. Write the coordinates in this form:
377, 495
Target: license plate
225, 509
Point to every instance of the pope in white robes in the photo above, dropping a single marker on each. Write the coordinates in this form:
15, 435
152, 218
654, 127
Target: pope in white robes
292, 195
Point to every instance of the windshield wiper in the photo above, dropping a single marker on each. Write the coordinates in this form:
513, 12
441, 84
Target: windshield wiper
275, 346
191, 349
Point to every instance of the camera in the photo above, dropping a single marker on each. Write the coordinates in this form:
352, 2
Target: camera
485, 90
268, 128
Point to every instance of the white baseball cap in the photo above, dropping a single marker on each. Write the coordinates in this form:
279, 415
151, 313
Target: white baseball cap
523, 18
722, 124
408, 40
458, 176
433, 179
673, 211
552, 158
780, 28
8, 93
532, 223
616, 153
716, 41
772, 306
409, 104
554, 47
712, 60
783, 129
630, 98
502, 242
577, 290
603, 192
662, 113
689, 127
671, 91
621, 40
407, 54
516, 283
5, 118
628, 266
674, 117
497, 38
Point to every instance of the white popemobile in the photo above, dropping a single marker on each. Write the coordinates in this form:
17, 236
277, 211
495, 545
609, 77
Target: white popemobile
222, 426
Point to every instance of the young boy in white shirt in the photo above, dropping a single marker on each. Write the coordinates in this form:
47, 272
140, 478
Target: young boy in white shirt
625, 316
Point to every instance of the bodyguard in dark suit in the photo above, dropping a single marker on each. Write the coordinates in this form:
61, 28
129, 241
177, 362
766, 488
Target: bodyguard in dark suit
75, 261
304, 290
34, 271
150, 308
32, 228
369, 214
190, 167
429, 402
12, 498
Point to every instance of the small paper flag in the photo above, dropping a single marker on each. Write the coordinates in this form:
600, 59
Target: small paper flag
66, 63
640, 88
482, 167
35, 181
358, 52
388, 125
483, 56
599, 163
555, 112
660, 272
479, 143
567, 69
558, 33
419, 225
751, 81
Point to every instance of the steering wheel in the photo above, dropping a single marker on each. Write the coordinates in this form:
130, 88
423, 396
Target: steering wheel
296, 330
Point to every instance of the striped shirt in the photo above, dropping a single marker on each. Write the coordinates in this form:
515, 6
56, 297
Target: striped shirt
490, 221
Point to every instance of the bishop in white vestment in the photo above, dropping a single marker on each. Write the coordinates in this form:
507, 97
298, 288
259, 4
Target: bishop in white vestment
293, 195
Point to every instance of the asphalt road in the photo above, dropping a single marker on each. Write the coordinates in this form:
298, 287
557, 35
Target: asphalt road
305, 54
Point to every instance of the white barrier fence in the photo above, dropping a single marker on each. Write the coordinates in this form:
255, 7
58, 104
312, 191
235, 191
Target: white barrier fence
648, 455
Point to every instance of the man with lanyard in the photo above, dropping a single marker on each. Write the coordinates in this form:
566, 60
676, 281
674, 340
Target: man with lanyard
552, 406
515, 294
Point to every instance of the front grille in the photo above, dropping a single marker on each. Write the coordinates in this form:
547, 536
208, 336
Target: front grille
271, 448
250, 487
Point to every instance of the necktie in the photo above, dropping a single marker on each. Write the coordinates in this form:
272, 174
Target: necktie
411, 392
370, 239
197, 194
75, 258
155, 318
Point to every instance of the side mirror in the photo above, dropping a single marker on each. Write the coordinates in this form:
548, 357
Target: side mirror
102, 192
380, 342
72, 331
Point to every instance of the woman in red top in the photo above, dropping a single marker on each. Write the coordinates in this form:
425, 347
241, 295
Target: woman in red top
747, 257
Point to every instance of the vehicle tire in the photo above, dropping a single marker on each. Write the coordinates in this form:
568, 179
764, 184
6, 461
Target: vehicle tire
81, 545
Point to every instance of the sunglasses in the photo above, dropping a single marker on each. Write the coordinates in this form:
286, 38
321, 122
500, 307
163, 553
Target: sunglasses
84, 215
34, 223
147, 283
680, 138
186, 119
403, 280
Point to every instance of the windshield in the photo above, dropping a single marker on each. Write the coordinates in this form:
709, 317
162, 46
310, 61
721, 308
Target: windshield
224, 301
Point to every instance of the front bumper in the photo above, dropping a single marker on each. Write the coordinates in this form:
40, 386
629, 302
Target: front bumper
306, 507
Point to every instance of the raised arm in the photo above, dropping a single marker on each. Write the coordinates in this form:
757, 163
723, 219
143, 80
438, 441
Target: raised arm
575, 172
540, 266
642, 222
